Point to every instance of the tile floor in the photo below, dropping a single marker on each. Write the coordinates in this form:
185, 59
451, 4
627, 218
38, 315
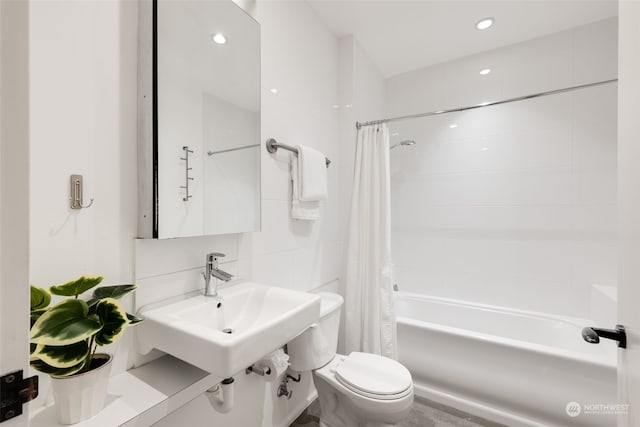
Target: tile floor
424, 413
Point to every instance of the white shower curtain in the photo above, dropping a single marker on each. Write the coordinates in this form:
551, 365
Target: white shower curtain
370, 316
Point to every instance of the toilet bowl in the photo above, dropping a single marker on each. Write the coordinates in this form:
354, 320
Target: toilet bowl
359, 389
351, 397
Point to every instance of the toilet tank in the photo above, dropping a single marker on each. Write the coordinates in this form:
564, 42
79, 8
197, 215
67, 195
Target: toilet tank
316, 346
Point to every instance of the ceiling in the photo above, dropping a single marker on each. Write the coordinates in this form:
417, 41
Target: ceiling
401, 35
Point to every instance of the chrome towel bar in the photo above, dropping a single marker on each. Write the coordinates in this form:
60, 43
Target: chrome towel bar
273, 145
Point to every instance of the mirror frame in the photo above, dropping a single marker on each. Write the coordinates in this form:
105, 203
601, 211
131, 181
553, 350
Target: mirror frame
147, 120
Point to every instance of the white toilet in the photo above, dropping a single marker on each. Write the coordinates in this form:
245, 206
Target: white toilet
360, 389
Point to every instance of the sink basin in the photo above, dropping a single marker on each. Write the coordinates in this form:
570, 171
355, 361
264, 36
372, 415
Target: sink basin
252, 321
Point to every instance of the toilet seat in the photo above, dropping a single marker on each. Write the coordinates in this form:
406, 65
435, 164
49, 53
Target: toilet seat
374, 376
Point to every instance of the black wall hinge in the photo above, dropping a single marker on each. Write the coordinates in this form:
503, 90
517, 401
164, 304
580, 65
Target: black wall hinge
14, 392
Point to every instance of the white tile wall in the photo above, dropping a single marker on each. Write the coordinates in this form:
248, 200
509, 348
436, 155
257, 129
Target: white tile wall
83, 120
516, 205
362, 98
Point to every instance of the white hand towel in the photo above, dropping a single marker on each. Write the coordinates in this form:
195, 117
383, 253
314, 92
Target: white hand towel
309, 211
312, 174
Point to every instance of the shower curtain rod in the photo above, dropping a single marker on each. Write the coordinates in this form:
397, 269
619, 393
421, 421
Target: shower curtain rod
484, 104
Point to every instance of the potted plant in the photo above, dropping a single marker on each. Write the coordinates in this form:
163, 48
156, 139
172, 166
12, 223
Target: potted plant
64, 338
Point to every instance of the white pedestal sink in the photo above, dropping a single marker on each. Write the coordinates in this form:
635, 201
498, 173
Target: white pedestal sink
251, 321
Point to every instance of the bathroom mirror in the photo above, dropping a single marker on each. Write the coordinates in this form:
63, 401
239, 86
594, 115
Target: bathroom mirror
200, 119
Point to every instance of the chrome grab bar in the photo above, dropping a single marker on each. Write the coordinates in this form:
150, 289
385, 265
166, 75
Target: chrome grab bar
273, 145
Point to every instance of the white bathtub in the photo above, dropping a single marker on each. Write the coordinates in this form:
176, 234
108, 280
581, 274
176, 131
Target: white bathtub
514, 367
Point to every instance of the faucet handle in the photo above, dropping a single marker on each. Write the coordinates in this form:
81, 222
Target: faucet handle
213, 258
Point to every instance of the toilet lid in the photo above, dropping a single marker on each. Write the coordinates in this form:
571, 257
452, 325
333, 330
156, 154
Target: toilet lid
374, 376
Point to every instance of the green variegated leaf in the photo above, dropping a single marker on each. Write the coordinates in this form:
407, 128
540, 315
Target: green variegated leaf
115, 291
134, 319
64, 356
40, 298
41, 366
35, 315
76, 287
114, 321
63, 324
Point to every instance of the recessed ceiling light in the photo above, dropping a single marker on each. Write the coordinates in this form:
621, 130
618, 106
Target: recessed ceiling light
485, 23
273, 90
335, 106
485, 148
219, 38
485, 71
453, 126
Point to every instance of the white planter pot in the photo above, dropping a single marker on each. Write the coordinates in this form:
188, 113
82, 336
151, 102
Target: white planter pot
81, 396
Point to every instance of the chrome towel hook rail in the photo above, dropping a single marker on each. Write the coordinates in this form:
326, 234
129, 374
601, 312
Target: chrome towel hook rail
273, 145
187, 177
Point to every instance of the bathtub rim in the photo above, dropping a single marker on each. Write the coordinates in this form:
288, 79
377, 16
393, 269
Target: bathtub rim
541, 349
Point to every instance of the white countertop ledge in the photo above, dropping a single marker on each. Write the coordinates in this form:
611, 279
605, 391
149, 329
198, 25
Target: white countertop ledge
142, 396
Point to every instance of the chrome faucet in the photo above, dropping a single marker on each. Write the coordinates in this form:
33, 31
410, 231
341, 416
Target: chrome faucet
213, 270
